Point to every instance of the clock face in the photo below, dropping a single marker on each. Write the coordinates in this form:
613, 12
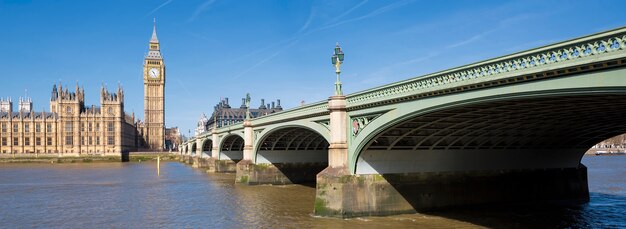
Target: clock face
153, 73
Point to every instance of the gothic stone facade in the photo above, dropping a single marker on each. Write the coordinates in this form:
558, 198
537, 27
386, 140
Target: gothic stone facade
154, 95
70, 128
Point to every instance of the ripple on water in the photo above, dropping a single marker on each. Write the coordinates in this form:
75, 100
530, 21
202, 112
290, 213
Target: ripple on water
130, 195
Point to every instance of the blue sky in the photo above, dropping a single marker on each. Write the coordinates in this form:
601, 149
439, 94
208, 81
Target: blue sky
271, 49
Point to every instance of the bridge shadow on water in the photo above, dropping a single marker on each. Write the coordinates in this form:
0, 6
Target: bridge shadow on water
603, 211
301, 173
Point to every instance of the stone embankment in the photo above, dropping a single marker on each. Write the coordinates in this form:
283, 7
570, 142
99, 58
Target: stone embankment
54, 158
209, 164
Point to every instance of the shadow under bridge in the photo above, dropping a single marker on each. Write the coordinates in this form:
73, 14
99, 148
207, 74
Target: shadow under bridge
298, 154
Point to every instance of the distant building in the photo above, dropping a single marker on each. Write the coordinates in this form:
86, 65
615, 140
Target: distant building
71, 127
202, 124
172, 138
224, 114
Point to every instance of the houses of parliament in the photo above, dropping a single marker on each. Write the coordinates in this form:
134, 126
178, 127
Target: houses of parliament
72, 128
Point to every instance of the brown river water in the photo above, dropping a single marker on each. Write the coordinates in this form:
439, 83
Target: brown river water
131, 195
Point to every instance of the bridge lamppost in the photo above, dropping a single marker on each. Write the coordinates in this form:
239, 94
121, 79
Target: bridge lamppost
247, 102
337, 60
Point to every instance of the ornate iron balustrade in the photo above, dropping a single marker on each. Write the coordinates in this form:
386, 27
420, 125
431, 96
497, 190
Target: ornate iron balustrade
597, 47
551, 56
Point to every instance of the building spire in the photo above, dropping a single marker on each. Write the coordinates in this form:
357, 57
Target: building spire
154, 38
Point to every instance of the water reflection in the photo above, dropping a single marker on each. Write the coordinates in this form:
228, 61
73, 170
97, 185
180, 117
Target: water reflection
131, 195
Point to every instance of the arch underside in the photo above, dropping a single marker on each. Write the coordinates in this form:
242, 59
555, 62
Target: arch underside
193, 148
292, 144
232, 148
294, 138
515, 134
207, 147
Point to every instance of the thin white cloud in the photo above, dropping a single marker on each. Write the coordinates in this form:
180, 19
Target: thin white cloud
202, 37
378, 79
158, 7
292, 41
258, 64
308, 21
505, 23
376, 12
182, 85
467, 41
200, 9
266, 59
349, 11
380, 76
417, 60
263, 49
528, 45
313, 12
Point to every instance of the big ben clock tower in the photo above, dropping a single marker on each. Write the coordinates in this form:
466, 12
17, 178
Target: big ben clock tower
154, 95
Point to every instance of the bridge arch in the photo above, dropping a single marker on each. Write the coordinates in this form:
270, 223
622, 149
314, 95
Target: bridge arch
292, 143
290, 153
304, 124
532, 129
207, 146
231, 147
193, 148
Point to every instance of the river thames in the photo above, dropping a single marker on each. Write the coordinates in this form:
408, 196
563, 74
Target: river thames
123, 195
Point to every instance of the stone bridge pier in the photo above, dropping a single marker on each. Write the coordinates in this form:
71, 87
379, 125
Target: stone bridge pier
224, 157
514, 149
511, 129
289, 155
219, 158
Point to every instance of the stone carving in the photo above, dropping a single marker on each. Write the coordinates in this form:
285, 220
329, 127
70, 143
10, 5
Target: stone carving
360, 122
202, 124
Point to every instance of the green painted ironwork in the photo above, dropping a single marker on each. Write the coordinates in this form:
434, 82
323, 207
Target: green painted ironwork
592, 48
375, 109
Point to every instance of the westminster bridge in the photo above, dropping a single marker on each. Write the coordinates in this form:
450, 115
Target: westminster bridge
507, 129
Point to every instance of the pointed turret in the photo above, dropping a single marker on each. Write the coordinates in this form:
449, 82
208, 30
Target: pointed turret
154, 38
120, 91
102, 93
55, 93
61, 90
154, 52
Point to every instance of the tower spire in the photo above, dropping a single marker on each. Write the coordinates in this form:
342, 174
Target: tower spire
154, 38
